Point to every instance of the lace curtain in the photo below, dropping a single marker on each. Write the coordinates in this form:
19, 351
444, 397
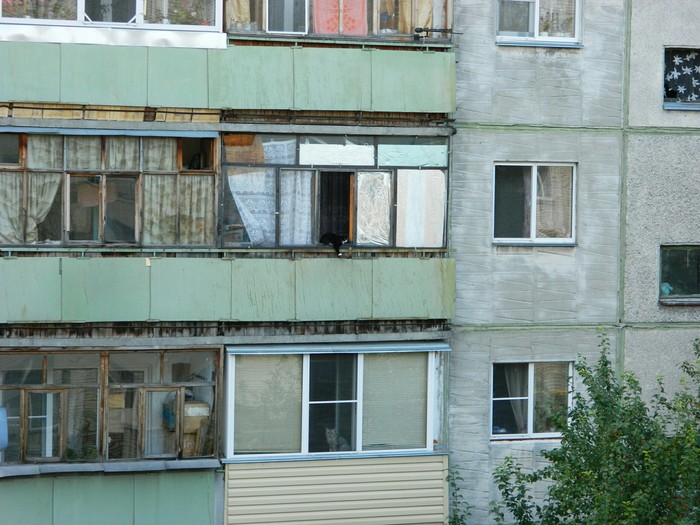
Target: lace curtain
327, 17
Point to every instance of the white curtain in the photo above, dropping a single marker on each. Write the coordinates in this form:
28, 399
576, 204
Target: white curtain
296, 209
10, 208
122, 153
420, 208
160, 209
159, 154
255, 194
517, 379
373, 208
83, 152
196, 209
43, 190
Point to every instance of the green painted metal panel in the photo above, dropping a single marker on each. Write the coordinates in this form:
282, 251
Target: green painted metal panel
417, 81
411, 288
26, 501
108, 75
31, 288
30, 72
177, 77
332, 79
263, 290
190, 289
174, 498
87, 500
105, 289
333, 289
251, 77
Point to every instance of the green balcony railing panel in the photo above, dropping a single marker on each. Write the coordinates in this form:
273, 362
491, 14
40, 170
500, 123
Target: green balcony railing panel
414, 288
105, 75
30, 72
246, 77
263, 290
31, 288
26, 501
333, 289
173, 498
332, 79
100, 290
190, 289
177, 77
87, 500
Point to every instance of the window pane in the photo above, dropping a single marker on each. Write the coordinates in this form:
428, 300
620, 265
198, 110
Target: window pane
198, 427
332, 17
557, 17
44, 213
185, 12
286, 16
54, 10
72, 369
411, 151
374, 203
110, 10
196, 153
44, 151
680, 271
83, 431
11, 224
510, 416
332, 377
510, 380
254, 203
551, 396
554, 201
197, 209
21, 370
335, 204
84, 208
420, 208
159, 154
516, 17
267, 404
43, 425
122, 153
10, 400
327, 150
332, 427
9, 142
395, 389
160, 209
83, 152
120, 214
134, 368
259, 149
246, 15
123, 423
160, 437
512, 202
395, 17
296, 210
189, 367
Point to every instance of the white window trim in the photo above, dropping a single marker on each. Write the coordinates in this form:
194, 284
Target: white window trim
537, 37
266, 15
432, 416
530, 402
533, 239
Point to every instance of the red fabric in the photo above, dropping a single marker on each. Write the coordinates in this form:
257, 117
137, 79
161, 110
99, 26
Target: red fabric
354, 17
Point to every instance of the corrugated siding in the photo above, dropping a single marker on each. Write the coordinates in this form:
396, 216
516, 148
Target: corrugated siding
376, 491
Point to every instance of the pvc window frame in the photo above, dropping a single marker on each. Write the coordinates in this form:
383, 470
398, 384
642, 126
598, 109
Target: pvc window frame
536, 36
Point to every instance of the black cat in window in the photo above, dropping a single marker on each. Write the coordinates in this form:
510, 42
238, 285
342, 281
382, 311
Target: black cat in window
333, 239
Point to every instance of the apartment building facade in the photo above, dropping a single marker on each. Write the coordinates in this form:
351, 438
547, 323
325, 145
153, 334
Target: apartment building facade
179, 346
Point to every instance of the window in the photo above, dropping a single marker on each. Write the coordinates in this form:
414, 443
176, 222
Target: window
529, 399
199, 13
682, 78
353, 18
117, 189
680, 274
534, 203
383, 192
331, 402
9, 148
56, 410
546, 20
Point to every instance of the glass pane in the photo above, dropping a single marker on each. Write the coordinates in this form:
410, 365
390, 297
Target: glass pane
44, 151
53, 9
43, 425
245, 15
557, 18
516, 17
160, 433
84, 208
122, 153
679, 84
296, 207
197, 209
332, 17
555, 188
83, 431
134, 368
159, 154
120, 214
44, 213
680, 271
332, 427
335, 204
189, 367
21, 370
411, 151
110, 10
374, 203
267, 404
160, 209
72, 369
9, 142
510, 380
83, 152
183, 12
510, 417
421, 197
259, 149
123, 423
551, 396
512, 203
395, 17
332, 377
286, 16
10, 401
250, 215
334, 151
395, 389
11, 224
196, 154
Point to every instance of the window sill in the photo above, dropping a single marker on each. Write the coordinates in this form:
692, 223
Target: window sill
46, 469
682, 106
271, 458
680, 301
549, 244
539, 43
337, 40
495, 438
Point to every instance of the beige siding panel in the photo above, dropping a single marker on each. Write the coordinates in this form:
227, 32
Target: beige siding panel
372, 491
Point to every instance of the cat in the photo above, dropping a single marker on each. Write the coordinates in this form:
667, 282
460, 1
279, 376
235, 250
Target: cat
333, 239
336, 442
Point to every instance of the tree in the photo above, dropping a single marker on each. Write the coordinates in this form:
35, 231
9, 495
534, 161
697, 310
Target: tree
621, 460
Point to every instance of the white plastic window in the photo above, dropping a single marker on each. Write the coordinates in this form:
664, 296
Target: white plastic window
546, 20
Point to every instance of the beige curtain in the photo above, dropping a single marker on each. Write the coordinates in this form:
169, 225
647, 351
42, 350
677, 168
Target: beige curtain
10, 208
196, 209
554, 201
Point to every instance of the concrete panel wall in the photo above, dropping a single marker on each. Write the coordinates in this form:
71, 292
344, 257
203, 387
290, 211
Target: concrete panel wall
508, 284
538, 85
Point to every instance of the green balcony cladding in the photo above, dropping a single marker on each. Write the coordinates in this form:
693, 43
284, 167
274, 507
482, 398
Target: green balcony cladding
239, 77
65, 289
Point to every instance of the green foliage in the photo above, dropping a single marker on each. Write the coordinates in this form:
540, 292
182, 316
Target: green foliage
620, 461
459, 507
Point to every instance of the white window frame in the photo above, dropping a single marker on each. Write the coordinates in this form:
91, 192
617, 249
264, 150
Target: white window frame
534, 25
273, 32
530, 434
532, 239
432, 409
